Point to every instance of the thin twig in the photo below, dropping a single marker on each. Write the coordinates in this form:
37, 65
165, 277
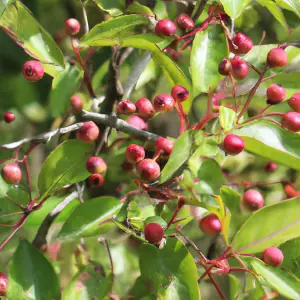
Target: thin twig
104, 242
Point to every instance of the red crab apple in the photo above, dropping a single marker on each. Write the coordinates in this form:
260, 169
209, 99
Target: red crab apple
210, 224
273, 256
72, 26
270, 167
137, 122
135, 153
225, 67
164, 145
185, 22
145, 108
76, 104
239, 68
165, 27
233, 144
294, 102
96, 164
9, 117
277, 57
275, 93
180, 93
154, 233
126, 107
96, 180
253, 200
11, 173
291, 121
148, 169
33, 70
3, 283
88, 132
163, 103
243, 44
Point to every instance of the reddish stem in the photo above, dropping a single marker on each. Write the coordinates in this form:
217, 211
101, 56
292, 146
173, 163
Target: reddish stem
179, 206
4, 160
182, 117
28, 178
261, 115
206, 119
16, 154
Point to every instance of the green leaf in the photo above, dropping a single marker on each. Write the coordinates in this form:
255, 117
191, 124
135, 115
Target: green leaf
31, 276
113, 7
65, 165
268, 140
293, 5
88, 284
275, 11
281, 280
209, 48
22, 27
171, 271
63, 87
180, 154
85, 219
263, 230
140, 9
4, 4
234, 8
227, 118
234, 287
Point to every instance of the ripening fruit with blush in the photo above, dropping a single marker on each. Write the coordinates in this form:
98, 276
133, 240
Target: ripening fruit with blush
145, 108
154, 233
3, 283
165, 27
291, 121
225, 67
88, 132
243, 44
96, 180
137, 122
163, 103
9, 117
72, 26
164, 145
33, 70
294, 102
76, 104
275, 93
253, 200
273, 256
210, 224
180, 93
239, 68
96, 164
270, 167
184, 22
148, 169
135, 153
11, 173
233, 144
277, 58
126, 107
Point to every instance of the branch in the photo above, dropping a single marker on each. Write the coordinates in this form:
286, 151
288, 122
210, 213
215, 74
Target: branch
40, 238
199, 10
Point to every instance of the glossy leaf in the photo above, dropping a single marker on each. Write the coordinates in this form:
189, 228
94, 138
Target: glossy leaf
272, 142
180, 154
171, 271
138, 8
63, 87
234, 287
227, 118
290, 250
252, 239
293, 5
281, 280
209, 48
31, 276
65, 165
85, 219
29, 34
113, 7
4, 4
234, 8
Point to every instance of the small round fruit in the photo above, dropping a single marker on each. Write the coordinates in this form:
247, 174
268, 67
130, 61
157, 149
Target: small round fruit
11, 173
3, 283
210, 224
126, 107
291, 121
33, 70
233, 144
145, 108
277, 57
148, 169
72, 26
253, 200
154, 233
163, 103
225, 67
294, 102
135, 153
243, 44
165, 27
137, 122
275, 94
239, 68
76, 104
88, 132
96, 164
270, 167
9, 117
164, 145
180, 93
273, 256
96, 181
185, 22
